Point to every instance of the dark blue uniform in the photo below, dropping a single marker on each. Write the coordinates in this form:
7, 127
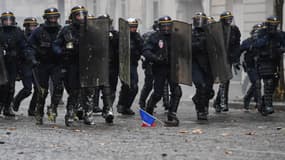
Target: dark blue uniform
201, 73
25, 72
157, 50
269, 50
249, 65
69, 35
50, 65
13, 42
148, 81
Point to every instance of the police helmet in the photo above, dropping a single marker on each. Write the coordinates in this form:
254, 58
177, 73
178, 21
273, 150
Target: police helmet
8, 19
165, 24
226, 17
272, 23
199, 19
51, 16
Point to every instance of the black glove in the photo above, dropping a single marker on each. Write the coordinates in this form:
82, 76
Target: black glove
162, 59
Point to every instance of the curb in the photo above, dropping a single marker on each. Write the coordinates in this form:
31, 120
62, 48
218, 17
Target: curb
238, 104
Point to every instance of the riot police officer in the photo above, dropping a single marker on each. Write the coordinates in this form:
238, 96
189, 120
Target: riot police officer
157, 50
201, 69
67, 45
249, 63
113, 64
270, 48
96, 108
12, 41
87, 88
128, 93
49, 64
232, 42
30, 24
148, 80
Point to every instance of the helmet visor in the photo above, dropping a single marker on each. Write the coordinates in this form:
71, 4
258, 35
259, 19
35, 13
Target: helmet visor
8, 20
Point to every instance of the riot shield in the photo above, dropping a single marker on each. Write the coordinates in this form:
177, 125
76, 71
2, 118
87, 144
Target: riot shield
221, 68
94, 53
3, 71
124, 51
181, 53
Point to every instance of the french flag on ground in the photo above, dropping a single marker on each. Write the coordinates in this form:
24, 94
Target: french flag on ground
147, 119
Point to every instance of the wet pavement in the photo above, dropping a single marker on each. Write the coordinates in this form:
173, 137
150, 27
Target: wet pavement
233, 135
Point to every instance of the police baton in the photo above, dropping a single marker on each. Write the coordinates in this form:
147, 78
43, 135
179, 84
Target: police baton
36, 80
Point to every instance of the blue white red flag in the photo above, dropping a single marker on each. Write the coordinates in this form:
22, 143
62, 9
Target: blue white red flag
147, 119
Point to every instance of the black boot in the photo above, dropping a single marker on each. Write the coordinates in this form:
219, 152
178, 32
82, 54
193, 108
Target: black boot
259, 98
39, 113
132, 94
224, 98
152, 103
120, 108
220, 103
107, 112
172, 120
249, 94
79, 112
202, 116
96, 96
246, 102
19, 98
144, 94
165, 97
217, 102
52, 113
125, 110
87, 100
108, 115
70, 116
217, 105
267, 110
8, 111
40, 103
32, 106
97, 109
88, 118
201, 104
124, 96
268, 96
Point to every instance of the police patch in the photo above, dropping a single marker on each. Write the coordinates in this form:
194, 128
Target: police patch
160, 44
